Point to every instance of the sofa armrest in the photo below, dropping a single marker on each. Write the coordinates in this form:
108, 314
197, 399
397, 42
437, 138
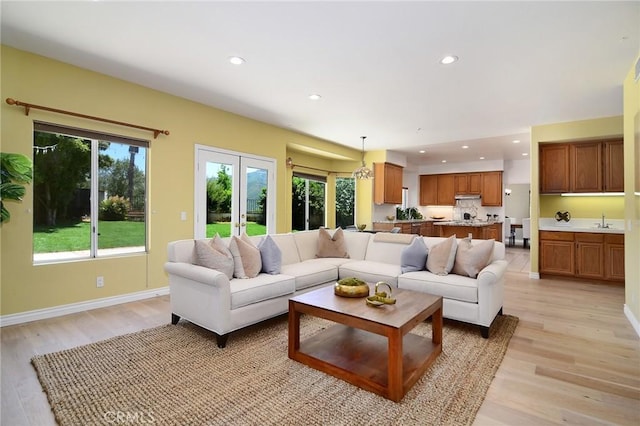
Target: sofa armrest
493, 272
197, 273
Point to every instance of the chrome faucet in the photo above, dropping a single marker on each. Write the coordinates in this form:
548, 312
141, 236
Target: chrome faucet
603, 225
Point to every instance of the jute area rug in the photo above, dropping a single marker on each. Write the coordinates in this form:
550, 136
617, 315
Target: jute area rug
176, 375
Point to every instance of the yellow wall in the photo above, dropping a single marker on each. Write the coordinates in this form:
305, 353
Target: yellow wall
35, 79
583, 207
631, 185
562, 132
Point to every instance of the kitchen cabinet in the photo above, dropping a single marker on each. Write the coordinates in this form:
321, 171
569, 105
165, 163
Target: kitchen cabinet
554, 168
467, 183
492, 232
589, 255
557, 254
437, 190
594, 256
387, 185
614, 257
427, 229
582, 167
614, 166
428, 190
585, 167
441, 189
492, 189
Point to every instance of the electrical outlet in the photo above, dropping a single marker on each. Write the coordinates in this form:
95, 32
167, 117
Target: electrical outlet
100, 282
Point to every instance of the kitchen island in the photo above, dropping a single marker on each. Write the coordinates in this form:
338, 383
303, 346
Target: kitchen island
423, 227
479, 230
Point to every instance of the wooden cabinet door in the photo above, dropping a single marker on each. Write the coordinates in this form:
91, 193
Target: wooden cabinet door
427, 229
614, 257
446, 190
474, 183
590, 259
428, 190
614, 166
586, 167
461, 184
492, 189
557, 257
554, 168
387, 183
492, 233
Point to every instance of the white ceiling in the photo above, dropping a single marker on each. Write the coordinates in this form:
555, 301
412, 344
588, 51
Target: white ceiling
375, 64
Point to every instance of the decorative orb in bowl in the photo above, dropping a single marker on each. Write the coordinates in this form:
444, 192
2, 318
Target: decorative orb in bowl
390, 217
351, 287
361, 227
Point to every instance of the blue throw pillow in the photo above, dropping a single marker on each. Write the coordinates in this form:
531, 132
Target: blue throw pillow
414, 256
271, 256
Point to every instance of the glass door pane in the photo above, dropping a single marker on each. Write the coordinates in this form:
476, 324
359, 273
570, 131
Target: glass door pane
254, 203
316, 201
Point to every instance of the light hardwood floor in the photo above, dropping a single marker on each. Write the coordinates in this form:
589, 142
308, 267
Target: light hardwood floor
574, 358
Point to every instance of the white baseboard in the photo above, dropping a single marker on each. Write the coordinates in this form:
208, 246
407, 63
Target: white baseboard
534, 275
57, 311
632, 319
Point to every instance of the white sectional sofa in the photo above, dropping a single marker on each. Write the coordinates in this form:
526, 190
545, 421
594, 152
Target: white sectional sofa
210, 299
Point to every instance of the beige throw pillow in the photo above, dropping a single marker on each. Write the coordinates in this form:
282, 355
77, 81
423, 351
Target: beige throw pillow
472, 258
442, 256
331, 246
246, 257
214, 256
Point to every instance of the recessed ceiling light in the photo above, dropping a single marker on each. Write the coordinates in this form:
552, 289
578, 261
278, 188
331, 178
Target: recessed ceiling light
422, 151
236, 60
482, 158
444, 161
524, 154
314, 97
447, 60
516, 141
465, 146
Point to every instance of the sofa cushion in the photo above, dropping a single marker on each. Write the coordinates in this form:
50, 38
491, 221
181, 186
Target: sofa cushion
288, 247
263, 287
214, 255
371, 271
357, 243
331, 246
246, 257
471, 258
441, 256
414, 256
311, 272
451, 286
271, 256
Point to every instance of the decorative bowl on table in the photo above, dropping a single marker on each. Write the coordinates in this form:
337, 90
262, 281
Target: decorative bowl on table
351, 287
361, 227
380, 297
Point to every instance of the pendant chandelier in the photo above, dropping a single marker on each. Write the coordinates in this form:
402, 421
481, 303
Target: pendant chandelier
363, 172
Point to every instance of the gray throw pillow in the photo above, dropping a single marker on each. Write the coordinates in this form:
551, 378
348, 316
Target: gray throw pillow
414, 256
271, 256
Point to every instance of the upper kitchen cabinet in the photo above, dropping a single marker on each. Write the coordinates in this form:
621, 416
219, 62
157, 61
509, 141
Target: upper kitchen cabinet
613, 165
582, 167
468, 183
585, 167
437, 190
387, 186
554, 168
492, 189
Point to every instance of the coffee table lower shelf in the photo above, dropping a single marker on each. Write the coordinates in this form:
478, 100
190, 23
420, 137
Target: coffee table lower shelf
362, 358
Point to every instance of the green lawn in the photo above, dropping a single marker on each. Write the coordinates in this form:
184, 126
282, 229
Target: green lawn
77, 236
224, 229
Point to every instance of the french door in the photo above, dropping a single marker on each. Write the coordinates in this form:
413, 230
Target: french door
234, 193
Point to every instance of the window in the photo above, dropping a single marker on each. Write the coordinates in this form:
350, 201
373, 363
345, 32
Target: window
89, 194
345, 202
307, 202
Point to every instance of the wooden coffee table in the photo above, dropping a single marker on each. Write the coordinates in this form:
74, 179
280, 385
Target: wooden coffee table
368, 347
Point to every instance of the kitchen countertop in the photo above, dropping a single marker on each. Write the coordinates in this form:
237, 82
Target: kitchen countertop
476, 223
616, 226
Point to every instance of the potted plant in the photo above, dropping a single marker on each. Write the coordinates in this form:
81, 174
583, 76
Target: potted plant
15, 170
